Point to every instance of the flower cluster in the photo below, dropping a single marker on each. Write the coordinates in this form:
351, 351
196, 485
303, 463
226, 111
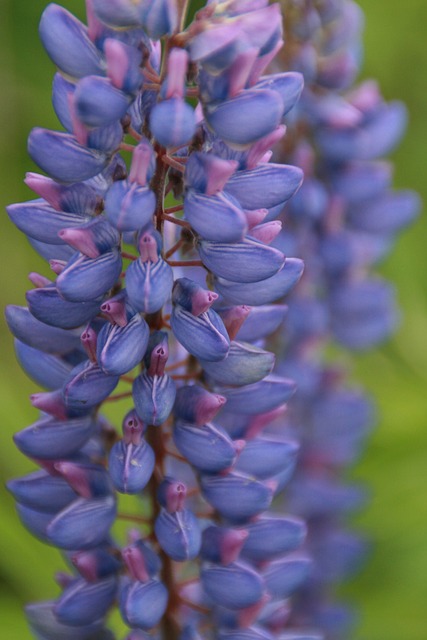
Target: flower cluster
342, 222
160, 216
202, 440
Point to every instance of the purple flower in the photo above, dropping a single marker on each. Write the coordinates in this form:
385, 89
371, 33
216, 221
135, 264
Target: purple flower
174, 303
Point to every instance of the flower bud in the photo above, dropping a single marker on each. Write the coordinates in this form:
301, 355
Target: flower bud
123, 65
172, 122
84, 524
261, 322
133, 428
47, 306
42, 492
206, 173
142, 605
207, 447
203, 336
266, 457
375, 138
222, 545
117, 13
154, 397
77, 163
283, 577
260, 397
236, 586
98, 102
270, 537
246, 261
288, 85
39, 335
66, 40
85, 602
49, 438
85, 279
217, 217
40, 221
248, 186
178, 534
192, 297
120, 349
93, 238
264, 291
131, 466
159, 18
171, 494
95, 564
88, 386
149, 279
44, 624
246, 118
45, 369
88, 480
244, 364
157, 353
237, 497
196, 405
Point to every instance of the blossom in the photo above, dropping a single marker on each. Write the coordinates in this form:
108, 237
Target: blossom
141, 282
169, 276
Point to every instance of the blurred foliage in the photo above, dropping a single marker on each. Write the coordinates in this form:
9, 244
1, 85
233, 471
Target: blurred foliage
391, 591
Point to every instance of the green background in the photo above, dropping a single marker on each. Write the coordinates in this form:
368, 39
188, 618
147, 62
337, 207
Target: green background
392, 590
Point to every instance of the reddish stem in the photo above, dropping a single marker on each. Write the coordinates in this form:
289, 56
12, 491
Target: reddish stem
119, 396
185, 263
129, 256
174, 209
173, 163
134, 134
124, 146
186, 376
174, 248
134, 518
196, 607
180, 223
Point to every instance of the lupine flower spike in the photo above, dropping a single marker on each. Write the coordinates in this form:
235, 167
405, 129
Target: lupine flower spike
169, 273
